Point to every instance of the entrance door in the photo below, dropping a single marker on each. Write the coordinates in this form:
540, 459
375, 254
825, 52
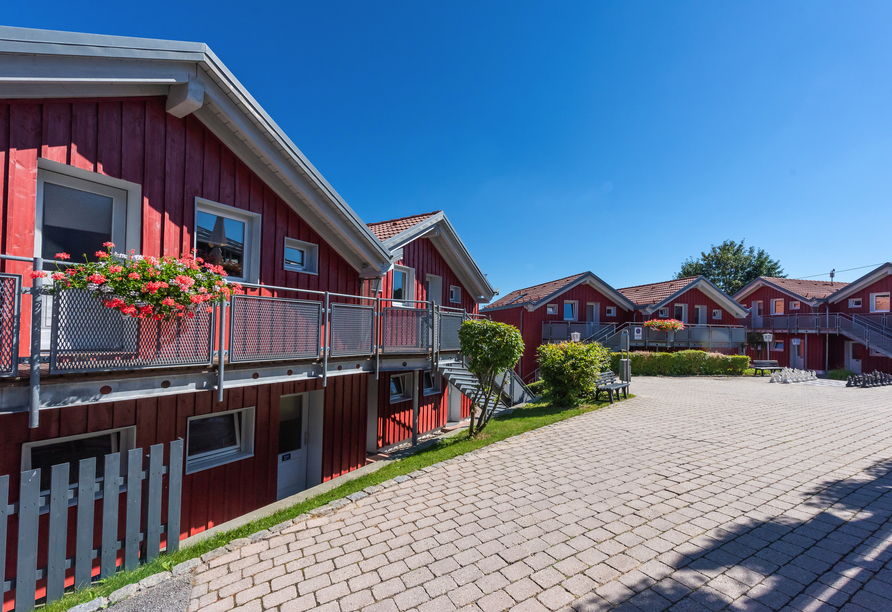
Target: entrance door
700, 315
756, 312
853, 357
592, 318
293, 438
434, 285
797, 355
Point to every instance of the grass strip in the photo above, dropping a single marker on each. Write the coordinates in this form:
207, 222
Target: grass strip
524, 419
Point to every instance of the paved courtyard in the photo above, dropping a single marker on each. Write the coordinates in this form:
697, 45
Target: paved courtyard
699, 494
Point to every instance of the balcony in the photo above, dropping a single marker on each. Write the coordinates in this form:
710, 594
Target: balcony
562, 331
792, 323
692, 336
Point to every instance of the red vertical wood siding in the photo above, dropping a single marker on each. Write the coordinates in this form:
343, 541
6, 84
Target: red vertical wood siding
767, 294
882, 285
395, 420
345, 423
695, 297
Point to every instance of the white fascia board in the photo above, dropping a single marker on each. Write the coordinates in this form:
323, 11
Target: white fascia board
758, 283
589, 278
865, 281
53, 42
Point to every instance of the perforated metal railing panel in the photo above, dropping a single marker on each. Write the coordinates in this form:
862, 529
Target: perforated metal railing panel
9, 324
352, 329
88, 337
449, 324
270, 329
406, 330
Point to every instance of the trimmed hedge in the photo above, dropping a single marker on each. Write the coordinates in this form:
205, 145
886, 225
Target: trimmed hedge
683, 363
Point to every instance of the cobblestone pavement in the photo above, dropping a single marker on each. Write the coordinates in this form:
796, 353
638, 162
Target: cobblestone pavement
699, 494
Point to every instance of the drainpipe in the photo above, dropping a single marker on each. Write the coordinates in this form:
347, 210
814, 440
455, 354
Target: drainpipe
416, 380
36, 319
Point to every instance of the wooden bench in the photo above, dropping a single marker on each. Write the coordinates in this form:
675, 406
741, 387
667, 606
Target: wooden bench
766, 365
607, 382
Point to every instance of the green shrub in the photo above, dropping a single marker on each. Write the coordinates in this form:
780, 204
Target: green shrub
569, 370
683, 363
839, 374
537, 387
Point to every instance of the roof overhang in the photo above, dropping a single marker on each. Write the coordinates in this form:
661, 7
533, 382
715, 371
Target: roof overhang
865, 281
445, 239
709, 289
593, 281
49, 64
761, 282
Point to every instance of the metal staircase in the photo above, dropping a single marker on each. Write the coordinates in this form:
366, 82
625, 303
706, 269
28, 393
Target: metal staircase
513, 393
873, 335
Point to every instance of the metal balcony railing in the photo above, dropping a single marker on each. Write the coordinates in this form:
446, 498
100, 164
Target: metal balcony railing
699, 336
85, 336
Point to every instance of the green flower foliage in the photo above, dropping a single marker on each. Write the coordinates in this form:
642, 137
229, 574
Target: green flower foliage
492, 349
570, 370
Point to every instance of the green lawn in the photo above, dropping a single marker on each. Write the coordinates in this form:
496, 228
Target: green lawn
521, 420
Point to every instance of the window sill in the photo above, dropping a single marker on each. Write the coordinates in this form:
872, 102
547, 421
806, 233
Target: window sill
400, 399
301, 270
432, 392
205, 464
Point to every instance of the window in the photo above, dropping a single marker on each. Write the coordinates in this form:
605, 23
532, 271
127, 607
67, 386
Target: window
219, 438
610, 311
716, 314
874, 353
403, 283
45, 454
855, 303
778, 346
570, 310
757, 309
551, 309
399, 388
794, 304
301, 256
228, 237
430, 383
664, 313
777, 307
879, 302
454, 294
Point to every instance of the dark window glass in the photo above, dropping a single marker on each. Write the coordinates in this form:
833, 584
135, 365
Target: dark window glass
75, 221
71, 452
221, 241
214, 433
294, 257
396, 387
291, 433
399, 285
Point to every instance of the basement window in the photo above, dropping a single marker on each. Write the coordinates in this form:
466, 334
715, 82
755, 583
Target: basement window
45, 454
855, 303
219, 438
399, 388
794, 304
610, 311
431, 383
717, 314
551, 309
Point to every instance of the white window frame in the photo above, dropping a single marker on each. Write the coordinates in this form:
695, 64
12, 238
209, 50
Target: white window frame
551, 309
409, 288
778, 345
716, 314
610, 311
663, 312
244, 448
853, 304
435, 381
774, 306
407, 388
252, 221
311, 256
127, 442
873, 300
875, 353
795, 304
575, 305
455, 294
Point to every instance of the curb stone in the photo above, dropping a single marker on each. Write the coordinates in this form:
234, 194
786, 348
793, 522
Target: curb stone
123, 593
90, 606
184, 568
154, 579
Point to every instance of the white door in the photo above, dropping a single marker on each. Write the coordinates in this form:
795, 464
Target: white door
593, 313
756, 312
434, 289
851, 363
700, 314
797, 356
293, 438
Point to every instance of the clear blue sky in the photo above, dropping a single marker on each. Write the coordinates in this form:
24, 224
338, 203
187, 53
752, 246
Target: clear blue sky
617, 137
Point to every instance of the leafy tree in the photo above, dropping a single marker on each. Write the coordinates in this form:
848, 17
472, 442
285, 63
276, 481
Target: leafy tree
570, 370
492, 350
731, 265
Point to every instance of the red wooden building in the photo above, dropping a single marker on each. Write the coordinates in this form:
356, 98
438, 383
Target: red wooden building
156, 146
821, 325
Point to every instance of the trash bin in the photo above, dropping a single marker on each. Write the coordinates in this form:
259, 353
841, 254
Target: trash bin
575, 337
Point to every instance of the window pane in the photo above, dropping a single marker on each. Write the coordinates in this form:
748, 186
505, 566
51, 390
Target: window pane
569, 310
399, 285
71, 452
428, 381
396, 387
294, 257
212, 434
882, 302
74, 221
291, 431
221, 241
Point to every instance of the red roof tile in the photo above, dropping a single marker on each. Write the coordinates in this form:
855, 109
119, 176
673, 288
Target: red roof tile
809, 289
385, 230
656, 292
535, 293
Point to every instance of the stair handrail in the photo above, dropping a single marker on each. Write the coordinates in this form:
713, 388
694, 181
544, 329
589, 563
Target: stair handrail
606, 329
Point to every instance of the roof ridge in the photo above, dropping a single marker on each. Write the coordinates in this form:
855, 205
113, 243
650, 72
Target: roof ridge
557, 280
674, 280
429, 214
